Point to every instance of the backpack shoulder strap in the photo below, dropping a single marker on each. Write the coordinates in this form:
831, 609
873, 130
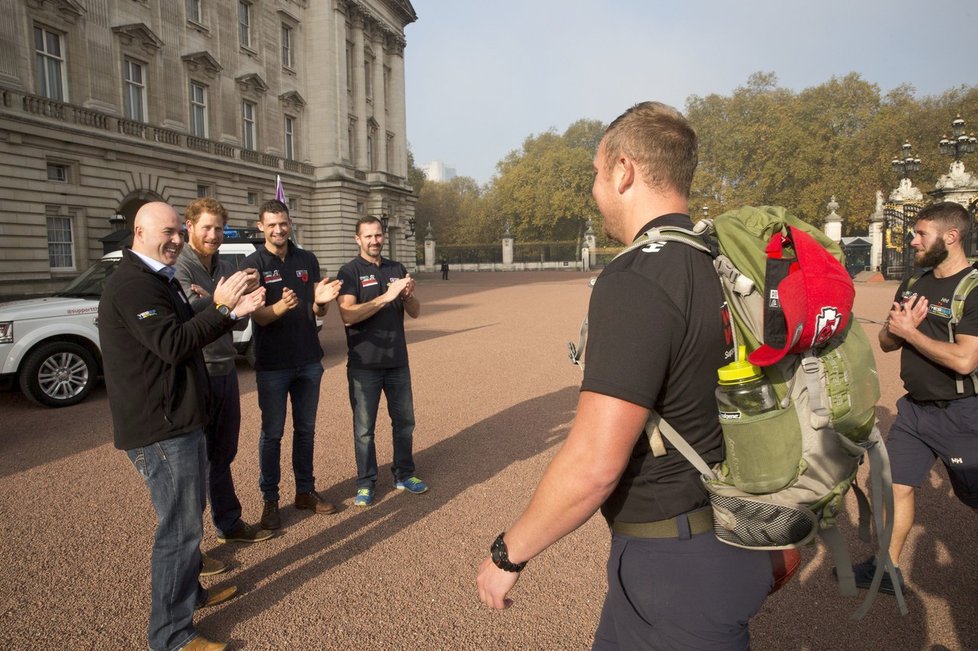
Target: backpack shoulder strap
657, 234
666, 234
657, 425
965, 286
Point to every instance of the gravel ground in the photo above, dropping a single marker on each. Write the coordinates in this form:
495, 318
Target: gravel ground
494, 396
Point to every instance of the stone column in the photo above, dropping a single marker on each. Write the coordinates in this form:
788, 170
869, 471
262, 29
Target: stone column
429, 249
833, 222
590, 243
507, 247
876, 234
359, 98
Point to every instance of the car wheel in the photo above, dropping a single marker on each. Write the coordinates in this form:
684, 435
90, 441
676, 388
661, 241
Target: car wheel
58, 374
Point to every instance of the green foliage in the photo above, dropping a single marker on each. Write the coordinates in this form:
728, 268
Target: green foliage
416, 177
762, 144
446, 206
543, 190
768, 145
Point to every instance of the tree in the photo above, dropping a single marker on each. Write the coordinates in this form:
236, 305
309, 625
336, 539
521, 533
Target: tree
416, 177
543, 190
447, 206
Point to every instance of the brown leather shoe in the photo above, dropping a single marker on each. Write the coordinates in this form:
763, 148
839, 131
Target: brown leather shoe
246, 533
210, 566
216, 597
270, 518
201, 643
312, 502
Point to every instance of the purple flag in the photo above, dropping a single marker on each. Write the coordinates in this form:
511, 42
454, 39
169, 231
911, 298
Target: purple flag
280, 190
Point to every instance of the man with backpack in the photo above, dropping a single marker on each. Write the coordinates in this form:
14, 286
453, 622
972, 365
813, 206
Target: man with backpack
658, 332
936, 333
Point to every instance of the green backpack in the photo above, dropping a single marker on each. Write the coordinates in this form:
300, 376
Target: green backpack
824, 427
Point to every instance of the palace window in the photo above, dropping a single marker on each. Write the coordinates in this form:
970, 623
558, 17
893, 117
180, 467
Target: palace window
198, 109
49, 63
134, 90
61, 251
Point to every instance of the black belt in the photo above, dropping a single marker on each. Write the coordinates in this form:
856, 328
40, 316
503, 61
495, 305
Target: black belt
699, 522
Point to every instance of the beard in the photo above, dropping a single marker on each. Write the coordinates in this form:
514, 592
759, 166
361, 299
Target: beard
933, 256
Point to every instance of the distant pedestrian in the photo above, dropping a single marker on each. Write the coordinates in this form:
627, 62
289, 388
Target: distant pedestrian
288, 358
376, 294
444, 269
158, 388
199, 268
657, 337
938, 417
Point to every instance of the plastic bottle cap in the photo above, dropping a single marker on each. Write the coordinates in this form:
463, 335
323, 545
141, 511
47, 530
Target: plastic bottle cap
739, 370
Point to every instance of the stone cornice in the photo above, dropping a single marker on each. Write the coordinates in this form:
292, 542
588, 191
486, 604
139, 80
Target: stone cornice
252, 82
204, 62
70, 10
139, 34
292, 99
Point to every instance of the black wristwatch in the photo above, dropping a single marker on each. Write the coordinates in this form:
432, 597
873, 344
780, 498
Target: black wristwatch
500, 556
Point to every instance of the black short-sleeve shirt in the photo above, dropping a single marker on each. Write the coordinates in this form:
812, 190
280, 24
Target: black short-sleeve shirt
657, 333
377, 342
923, 378
292, 340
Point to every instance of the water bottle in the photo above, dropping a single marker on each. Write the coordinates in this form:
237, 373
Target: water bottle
743, 390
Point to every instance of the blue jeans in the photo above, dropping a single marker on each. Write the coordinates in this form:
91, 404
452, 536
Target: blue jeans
221, 433
173, 471
274, 390
365, 388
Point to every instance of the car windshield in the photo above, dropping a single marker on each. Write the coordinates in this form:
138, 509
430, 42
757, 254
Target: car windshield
91, 282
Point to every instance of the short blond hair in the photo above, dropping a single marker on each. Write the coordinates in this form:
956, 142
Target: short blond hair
661, 142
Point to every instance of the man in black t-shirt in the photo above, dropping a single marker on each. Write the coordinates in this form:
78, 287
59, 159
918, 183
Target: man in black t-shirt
288, 358
657, 335
939, 415
376, 294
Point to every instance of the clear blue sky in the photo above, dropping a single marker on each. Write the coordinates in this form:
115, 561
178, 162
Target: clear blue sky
482, 76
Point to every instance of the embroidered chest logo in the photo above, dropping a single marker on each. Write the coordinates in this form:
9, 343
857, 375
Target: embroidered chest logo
302, 275
272, 276
145, 315
368, 281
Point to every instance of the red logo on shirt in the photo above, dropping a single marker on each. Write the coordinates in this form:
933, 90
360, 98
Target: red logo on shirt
302, 275
272, 276
368, 281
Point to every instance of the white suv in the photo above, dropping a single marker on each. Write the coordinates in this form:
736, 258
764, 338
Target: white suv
50, 346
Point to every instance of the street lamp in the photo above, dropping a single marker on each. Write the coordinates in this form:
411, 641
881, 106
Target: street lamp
383, 222
907, 165
958, 145
411, 224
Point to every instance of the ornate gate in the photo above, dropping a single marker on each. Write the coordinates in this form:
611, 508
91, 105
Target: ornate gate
898, 220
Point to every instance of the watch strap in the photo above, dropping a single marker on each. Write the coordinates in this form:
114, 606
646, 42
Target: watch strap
500, 556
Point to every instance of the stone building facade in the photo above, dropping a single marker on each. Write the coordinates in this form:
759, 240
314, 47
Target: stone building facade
108, 104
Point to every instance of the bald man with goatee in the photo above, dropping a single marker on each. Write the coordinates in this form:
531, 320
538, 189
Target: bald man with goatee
157, 383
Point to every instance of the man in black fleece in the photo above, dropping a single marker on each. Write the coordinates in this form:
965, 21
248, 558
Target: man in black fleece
157, 383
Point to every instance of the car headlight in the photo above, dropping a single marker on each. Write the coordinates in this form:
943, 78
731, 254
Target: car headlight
6, 332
